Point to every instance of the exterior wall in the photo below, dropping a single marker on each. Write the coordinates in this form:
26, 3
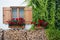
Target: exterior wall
8, 3
7, 14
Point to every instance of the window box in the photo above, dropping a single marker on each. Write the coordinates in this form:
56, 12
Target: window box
22, 27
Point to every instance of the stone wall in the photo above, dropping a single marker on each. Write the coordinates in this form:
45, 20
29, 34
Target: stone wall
23, 35
36, 35
1, 34
14, 35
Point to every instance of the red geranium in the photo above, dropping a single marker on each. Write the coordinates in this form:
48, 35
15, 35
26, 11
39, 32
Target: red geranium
45, 24
40, 21
17, 19
38, 25
33, 23
21, 20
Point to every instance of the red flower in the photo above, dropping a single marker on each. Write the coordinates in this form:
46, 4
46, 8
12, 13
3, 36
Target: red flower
45, 24
33, 23
17, 19
20, 18
40, 21
38, 25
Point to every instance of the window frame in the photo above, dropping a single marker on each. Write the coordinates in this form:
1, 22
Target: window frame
18, 10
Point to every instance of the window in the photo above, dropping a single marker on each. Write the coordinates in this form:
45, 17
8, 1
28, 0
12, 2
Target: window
22, 12
17, 12
14, 12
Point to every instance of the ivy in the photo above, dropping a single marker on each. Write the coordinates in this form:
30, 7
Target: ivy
57, 14
48, 10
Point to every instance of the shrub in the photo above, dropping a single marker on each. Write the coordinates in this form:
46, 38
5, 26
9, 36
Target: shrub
53, 34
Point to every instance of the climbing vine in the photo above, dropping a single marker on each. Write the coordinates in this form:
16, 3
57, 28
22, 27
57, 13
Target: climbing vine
48, 10
57, 14
43, 10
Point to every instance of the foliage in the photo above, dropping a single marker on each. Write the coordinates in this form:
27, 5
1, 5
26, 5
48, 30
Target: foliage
32, 28
48, 10
57, 24
53, 34
43, 10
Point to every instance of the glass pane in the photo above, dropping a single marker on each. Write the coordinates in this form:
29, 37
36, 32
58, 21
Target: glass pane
22, 12
14, 12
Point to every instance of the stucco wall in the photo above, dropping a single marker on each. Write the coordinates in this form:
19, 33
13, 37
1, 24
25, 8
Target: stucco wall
8, 3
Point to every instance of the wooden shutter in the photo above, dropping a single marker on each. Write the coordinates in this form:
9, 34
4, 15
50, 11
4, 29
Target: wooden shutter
7, 14
28, 15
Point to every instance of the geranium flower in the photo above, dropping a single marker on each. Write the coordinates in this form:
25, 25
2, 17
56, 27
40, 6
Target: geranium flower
17, 19
20, 18
38, 25
45, 24
33, 23
40, 21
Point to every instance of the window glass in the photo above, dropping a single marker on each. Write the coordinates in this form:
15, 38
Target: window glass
14, 12
22, 12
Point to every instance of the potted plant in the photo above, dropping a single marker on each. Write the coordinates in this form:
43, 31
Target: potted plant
40, 24
17, 23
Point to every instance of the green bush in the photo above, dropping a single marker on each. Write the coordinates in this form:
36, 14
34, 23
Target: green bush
53, 34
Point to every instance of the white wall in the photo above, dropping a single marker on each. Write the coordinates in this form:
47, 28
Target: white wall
8, 3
